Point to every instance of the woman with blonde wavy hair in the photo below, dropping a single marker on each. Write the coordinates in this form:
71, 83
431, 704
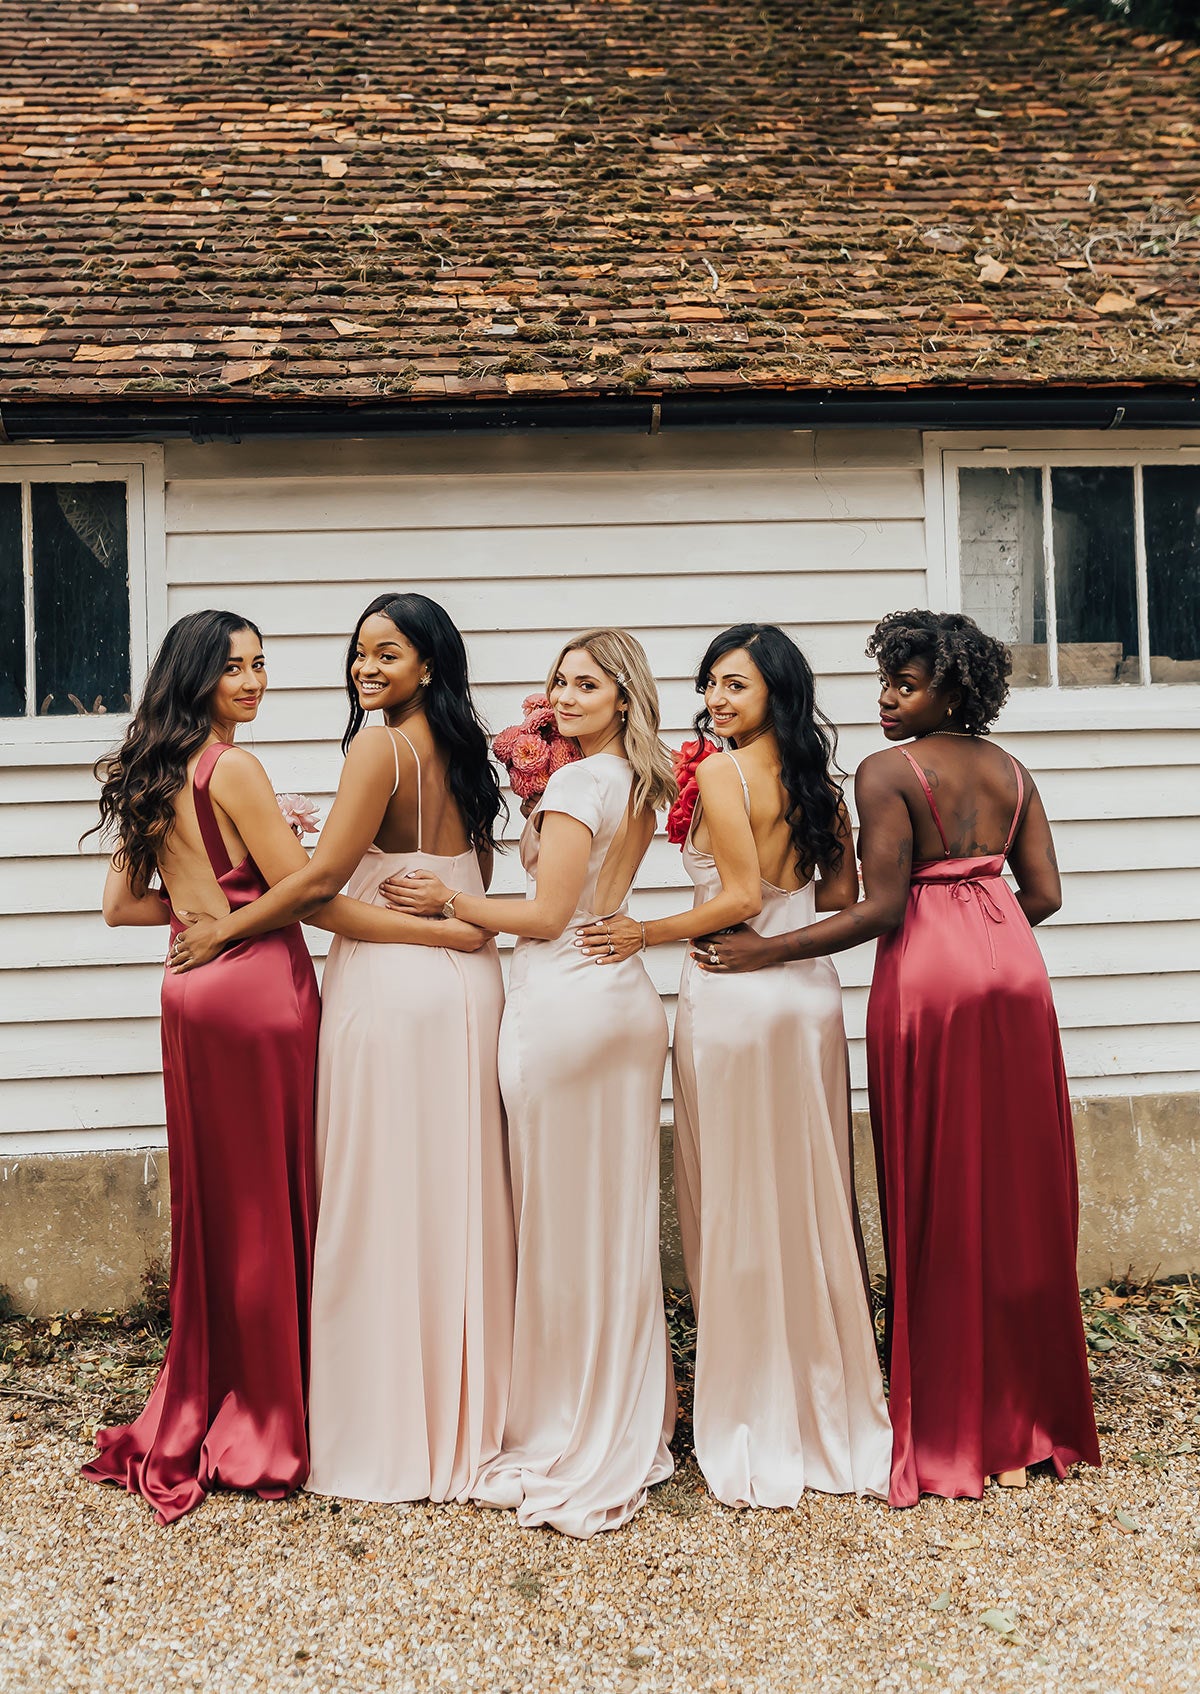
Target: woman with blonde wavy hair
592, 1402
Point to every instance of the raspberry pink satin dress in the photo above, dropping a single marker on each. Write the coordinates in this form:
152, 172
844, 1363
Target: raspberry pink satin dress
413, 1276
986, 1357
582, 1054
239, 1043
789, 1393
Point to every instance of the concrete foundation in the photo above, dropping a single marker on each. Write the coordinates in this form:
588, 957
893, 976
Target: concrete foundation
77, 1230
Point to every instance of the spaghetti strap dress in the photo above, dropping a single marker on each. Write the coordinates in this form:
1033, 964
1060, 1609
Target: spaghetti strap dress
789, 1394
582, 1056
239, 1046
413, 1276
976, 1157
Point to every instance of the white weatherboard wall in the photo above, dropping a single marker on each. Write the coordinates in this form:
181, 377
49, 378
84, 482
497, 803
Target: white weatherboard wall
523, 539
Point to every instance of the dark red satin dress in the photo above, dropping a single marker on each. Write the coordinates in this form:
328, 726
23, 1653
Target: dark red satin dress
976, 1156
239, 1043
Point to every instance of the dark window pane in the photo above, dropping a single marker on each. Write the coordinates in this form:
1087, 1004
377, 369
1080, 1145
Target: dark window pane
12, 604
80, 597
1172, 499
1003, 572
1095, 580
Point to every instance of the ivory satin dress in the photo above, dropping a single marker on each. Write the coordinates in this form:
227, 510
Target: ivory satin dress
239, 1047
413, 1271
582, 1053
987, 1362
788, 1391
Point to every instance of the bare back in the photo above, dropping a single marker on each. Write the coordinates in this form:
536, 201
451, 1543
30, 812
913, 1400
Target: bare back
422, 814
184, 866
767, 804
975, 788
623, 859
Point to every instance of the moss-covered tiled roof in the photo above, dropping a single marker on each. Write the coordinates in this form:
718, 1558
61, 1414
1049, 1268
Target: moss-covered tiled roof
460, 198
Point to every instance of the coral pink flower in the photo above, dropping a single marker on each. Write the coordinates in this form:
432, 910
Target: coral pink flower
540, 718
533, 703
527, 785
562, 752
530, 754
502, 746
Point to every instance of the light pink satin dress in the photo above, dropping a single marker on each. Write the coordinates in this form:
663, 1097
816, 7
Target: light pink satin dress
789, 1394
414, 1266
582, 1054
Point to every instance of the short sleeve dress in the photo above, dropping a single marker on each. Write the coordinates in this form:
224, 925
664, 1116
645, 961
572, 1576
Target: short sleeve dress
582, 1054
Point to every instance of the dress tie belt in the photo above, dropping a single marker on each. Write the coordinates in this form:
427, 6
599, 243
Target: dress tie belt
973, 889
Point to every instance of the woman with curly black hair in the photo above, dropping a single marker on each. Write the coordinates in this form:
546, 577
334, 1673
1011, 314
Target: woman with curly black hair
969, 1106
788, 1389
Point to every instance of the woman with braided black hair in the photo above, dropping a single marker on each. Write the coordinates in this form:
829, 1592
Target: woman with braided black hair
969, 1105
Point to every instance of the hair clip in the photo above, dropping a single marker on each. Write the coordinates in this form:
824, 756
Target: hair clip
622, 679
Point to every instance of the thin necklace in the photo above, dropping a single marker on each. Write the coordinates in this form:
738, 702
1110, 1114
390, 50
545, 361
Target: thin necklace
615, 736
959, 734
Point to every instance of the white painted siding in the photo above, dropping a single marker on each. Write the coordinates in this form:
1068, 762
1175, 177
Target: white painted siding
524, 539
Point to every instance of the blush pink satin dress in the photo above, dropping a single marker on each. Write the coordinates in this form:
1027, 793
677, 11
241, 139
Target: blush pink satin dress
976, 1152
413, 1274
788, 1393
239, 1044
582, 1055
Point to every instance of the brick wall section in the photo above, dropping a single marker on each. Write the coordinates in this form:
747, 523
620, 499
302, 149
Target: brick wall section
422, 199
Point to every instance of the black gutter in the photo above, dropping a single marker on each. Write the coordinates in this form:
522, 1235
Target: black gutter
1120, 405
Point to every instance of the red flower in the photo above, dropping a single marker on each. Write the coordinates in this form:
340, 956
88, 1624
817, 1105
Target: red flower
679, 818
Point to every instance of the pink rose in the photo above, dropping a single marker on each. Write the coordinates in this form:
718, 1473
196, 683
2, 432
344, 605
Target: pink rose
300, 814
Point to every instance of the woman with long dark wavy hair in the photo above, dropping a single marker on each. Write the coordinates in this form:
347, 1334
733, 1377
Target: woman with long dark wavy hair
413, 1271
788, 1388
197, 828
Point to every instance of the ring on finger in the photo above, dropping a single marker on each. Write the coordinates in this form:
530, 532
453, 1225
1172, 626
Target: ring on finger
611, 948
714, 957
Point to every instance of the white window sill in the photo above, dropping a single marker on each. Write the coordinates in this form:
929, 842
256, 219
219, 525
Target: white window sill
76, 740
1120, 706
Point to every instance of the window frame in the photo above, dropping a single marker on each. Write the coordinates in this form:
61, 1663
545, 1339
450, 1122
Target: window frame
81, 738
1152, 705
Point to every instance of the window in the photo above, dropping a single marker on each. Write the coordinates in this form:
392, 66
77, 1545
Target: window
64, 598
1087, 566
82, 593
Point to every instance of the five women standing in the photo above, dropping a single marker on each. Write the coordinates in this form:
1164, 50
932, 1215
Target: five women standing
415, 1238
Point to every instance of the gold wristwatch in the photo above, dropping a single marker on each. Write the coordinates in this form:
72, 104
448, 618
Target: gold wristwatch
448, 908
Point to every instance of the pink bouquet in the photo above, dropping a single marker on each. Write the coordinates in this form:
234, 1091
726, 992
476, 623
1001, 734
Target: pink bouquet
532, 750
300, 814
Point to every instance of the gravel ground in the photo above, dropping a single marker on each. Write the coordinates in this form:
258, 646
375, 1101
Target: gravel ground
1091, 1584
